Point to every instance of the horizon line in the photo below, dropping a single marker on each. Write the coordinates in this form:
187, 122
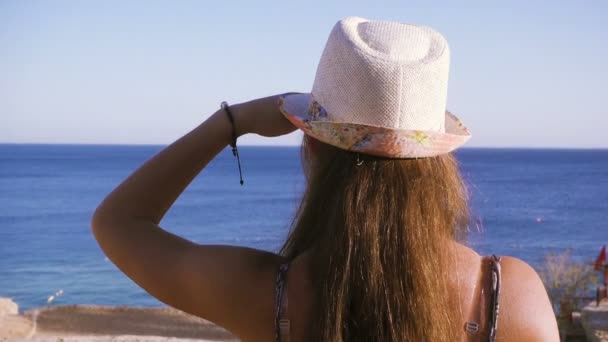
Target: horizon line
297, 146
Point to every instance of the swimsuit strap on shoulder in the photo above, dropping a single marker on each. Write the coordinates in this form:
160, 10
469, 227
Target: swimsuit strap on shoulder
281, 324
495, 296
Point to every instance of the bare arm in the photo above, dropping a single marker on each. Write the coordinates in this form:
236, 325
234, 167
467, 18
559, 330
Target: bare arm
220, 283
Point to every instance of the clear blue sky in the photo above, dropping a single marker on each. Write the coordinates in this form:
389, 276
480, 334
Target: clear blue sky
523, 73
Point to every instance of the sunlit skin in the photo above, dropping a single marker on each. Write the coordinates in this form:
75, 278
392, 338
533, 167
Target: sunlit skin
234, 286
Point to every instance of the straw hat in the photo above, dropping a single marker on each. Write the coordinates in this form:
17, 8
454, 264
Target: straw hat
380, 89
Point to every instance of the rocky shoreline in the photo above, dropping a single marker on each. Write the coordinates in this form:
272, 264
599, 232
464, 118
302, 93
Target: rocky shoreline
104, 323
94, 323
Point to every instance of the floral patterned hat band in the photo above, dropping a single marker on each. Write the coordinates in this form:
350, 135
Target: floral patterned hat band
309, 116
380, 89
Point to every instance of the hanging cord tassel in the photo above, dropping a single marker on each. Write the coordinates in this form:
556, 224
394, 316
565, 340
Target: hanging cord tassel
235, 150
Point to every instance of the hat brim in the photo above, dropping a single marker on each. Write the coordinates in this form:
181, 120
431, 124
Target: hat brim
379, 141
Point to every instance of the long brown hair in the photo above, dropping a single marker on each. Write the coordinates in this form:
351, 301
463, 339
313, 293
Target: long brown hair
378, 235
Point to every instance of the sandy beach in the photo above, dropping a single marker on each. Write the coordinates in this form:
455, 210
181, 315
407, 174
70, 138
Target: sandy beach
105, 323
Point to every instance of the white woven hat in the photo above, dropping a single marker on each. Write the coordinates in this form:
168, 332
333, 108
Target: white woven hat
380, 89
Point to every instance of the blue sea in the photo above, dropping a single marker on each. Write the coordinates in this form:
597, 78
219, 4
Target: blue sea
526, 203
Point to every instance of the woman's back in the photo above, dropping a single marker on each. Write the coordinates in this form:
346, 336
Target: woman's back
521, 296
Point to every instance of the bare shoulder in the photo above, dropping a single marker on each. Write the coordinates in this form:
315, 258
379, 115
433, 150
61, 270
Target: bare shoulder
526, 313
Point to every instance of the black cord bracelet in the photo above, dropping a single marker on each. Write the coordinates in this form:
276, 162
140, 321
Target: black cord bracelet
235, 150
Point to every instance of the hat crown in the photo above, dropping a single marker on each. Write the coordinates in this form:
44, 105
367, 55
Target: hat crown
384, 74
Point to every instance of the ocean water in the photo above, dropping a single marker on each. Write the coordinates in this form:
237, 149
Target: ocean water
526, 203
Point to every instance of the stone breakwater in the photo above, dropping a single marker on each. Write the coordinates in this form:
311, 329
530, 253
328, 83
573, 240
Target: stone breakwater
94, 323
594, 319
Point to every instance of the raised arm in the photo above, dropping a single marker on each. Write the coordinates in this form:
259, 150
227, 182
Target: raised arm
220, 283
